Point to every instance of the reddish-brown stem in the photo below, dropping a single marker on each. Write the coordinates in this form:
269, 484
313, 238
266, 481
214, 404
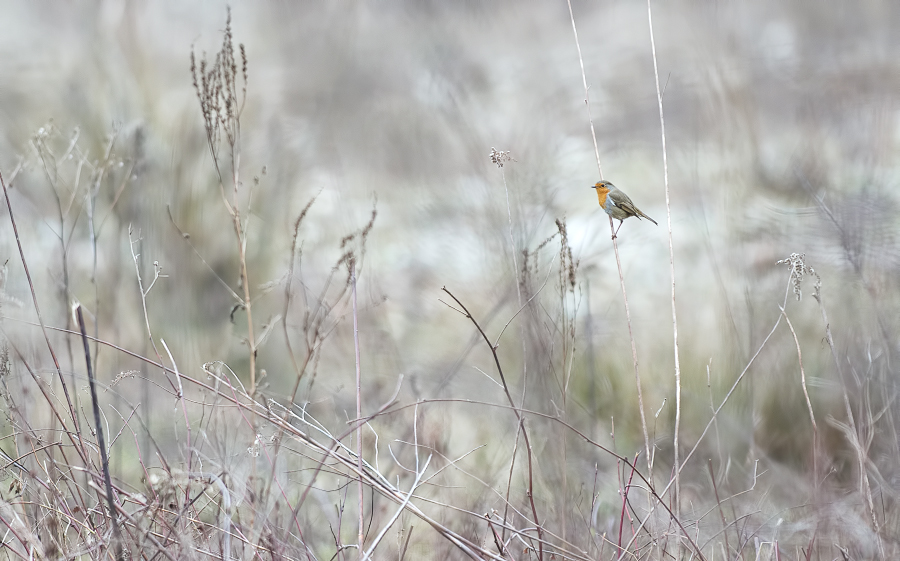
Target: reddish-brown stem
624, 503
712, 477
515, 409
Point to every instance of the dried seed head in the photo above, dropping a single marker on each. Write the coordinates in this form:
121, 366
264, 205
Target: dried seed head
217, 87
799, 269
500, 157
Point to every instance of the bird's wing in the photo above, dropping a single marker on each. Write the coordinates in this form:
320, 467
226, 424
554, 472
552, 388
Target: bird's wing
622, 201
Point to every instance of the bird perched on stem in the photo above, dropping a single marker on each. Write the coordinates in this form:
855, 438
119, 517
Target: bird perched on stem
616, 204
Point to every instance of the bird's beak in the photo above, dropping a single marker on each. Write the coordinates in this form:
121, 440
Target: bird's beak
593, 186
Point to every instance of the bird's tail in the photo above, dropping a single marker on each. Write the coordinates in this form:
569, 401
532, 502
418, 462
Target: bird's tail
645, 216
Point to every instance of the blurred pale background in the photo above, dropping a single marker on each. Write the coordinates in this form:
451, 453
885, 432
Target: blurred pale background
782, 129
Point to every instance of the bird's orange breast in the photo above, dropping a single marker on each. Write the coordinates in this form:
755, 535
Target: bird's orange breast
602, 192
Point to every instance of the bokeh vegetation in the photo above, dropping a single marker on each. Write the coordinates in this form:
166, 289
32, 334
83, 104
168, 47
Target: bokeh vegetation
172, 205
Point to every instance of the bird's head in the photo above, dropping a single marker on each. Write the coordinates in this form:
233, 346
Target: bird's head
602, 188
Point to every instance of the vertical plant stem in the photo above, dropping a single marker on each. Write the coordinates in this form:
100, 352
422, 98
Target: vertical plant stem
662, 128
712, 477
587, 102
861, 459
245, 281
144, 292
514, 251
101, 443
637, 375
618, 265
809, 407
359, 461
512, 242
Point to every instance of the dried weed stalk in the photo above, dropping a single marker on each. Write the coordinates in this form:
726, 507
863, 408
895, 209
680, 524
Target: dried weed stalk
221, 88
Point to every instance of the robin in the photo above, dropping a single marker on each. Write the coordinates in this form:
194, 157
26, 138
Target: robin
616, 203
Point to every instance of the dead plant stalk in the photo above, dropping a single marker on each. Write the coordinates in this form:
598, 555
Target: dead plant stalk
665, 162
359, 461
519, 418
637, 374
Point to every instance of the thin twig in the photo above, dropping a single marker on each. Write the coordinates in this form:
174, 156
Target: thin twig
537, 523
625, 490
712, 477
157, 273
521, 307
187, 239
